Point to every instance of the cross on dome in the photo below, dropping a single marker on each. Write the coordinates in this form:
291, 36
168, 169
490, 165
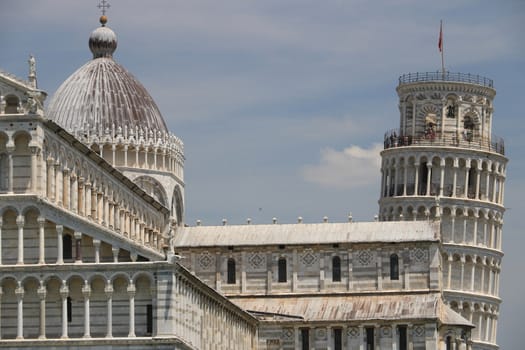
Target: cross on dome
103, 6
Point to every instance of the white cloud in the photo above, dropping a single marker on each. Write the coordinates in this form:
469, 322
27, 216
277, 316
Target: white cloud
352, 167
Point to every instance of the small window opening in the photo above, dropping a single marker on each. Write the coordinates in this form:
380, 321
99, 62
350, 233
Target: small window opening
305, 339
402, 337
369, 338
338, 339
231, 271
281, 270
336, 269
394, 267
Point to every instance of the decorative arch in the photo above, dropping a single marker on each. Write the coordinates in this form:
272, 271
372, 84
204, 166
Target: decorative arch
177, 205
152, 187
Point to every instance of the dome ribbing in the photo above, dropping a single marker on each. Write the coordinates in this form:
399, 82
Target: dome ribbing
103, 95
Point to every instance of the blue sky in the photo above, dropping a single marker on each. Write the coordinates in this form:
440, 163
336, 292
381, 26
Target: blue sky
282, 104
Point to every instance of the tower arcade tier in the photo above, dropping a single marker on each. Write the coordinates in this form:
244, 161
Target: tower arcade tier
444, 163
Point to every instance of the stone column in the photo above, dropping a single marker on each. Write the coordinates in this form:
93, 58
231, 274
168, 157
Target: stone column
362, 336
416, 178
20, 224
78, 247
96, 244
51, 179
478, 180
10, 150
502, 191
64, 293
429, 177
442, 177
494, 185
155, 158
66, 184
58, 183
455, 179
243, 272
115, 251
34, 153
465, 218
42, 292
396, 177
105, 210
473, 273
113, 149
382, 182
453, 224
394, 338
449, 276
111, 210
379, 270
132, 233
125, 155
74, 193
487, 181
94, 203
467, 168
482, 286
131, 293
87, 207
109, 295
86, 292
142, 236
462, 275
19, 292
100, 206
81, 196
117, 217
405, 179
350, 284
60, 244
475, 234
41, 240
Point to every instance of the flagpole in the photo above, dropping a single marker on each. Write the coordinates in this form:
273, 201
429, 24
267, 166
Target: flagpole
441, 48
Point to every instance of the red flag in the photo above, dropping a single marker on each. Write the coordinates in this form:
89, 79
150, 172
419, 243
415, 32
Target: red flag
440, 41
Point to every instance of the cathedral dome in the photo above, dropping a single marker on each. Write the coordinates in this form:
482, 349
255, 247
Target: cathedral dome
102, 95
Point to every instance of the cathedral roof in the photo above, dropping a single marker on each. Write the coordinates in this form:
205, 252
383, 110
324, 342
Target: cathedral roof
352, 307
102, 95
322, 233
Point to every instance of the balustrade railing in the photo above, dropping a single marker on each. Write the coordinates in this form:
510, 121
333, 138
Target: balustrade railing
446, 76
393, 138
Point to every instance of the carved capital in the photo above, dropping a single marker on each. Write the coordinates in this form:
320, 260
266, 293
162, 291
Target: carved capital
41, 221
20, 221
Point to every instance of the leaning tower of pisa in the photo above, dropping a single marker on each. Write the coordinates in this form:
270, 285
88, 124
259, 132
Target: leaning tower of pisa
444, 163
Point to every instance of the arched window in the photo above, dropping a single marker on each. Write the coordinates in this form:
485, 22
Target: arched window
394, 267
67, 247
468, 128
231, 271
281, 273
336, 269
